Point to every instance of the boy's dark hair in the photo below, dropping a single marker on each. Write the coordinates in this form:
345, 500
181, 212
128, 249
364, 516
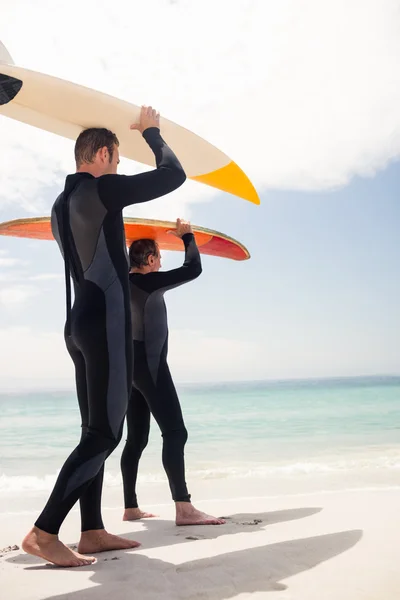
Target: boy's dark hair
139, 252
90, 141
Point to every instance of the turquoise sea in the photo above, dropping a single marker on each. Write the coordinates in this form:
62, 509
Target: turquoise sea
289, 436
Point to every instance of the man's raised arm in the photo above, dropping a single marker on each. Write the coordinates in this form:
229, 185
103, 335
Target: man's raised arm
119, 191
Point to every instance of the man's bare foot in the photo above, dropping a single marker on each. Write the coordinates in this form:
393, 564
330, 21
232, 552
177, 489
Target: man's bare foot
133, 514
48, 546
187, 514
99, 540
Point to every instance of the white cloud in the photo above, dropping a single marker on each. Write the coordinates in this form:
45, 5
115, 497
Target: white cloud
302, 95
195, 356
14, 296
47, 277
30, 358
20, 292
9, 262
8, 276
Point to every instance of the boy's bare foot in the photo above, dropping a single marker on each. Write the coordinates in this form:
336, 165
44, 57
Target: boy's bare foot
187, 514
48, 546
133, 514
99, 540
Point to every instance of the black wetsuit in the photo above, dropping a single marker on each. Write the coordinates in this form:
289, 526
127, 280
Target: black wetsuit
87, 223
153, 389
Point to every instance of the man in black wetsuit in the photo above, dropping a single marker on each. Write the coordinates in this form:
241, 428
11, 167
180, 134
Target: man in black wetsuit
153, 389
87, 224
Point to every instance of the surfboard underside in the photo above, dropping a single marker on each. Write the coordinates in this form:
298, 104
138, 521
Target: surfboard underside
65, 108
212, 243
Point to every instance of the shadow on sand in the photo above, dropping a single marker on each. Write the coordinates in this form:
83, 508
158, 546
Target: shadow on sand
120, 575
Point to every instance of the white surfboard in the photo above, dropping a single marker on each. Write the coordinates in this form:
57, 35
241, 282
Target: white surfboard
65, 108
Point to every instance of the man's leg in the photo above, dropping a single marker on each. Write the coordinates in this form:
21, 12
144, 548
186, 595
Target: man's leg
164, 405
94, 537
138, 428
90, 501
107, 383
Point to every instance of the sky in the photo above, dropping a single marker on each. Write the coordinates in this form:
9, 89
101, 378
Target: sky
305, 97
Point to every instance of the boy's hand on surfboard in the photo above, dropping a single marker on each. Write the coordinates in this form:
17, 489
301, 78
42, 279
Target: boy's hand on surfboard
149, 117
182, 227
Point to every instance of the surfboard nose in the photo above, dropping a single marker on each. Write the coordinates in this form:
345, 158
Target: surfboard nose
231, 179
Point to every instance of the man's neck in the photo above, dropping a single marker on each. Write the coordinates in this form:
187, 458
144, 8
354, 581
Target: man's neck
142, 271
90, 168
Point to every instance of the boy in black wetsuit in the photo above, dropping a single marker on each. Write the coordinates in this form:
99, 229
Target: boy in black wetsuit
153, 389
87, 224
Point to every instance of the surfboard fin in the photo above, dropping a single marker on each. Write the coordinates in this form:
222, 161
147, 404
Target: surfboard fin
9, 88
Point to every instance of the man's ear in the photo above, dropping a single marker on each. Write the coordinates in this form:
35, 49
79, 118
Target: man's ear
102, 154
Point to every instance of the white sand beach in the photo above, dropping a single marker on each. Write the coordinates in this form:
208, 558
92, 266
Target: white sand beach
325, 546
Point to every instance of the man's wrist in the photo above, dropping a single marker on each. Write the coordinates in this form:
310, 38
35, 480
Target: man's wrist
150, 130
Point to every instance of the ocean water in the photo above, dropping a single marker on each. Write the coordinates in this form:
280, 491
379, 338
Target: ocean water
289, 437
